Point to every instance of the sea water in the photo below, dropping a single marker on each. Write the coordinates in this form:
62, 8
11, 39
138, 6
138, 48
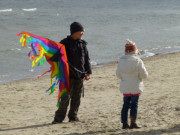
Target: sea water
153, 24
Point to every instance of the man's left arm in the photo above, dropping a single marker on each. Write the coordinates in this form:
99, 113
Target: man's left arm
87, 64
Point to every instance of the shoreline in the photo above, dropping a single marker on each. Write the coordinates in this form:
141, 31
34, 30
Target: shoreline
93, 67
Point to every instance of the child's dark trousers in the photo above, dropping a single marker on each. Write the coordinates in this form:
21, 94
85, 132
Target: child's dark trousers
131, 103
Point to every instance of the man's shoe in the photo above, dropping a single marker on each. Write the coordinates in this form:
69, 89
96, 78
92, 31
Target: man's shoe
76, 119
56, 122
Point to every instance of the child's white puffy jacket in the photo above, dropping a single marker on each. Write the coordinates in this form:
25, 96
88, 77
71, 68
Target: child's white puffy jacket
131, 71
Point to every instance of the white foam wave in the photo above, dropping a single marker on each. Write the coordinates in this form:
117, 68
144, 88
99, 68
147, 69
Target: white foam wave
168, 47
29, 9
6, 10
31, 70
145, 54
3, 76
93, 63
154, 49
16, 49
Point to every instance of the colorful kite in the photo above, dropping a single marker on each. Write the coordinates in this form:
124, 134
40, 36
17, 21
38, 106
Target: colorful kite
47, 48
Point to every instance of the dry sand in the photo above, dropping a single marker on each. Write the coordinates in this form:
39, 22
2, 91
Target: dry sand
25, 109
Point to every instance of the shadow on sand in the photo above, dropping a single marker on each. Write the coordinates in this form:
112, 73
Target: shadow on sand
26, 127
174, 129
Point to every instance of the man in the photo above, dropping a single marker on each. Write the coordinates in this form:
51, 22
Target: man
79, 70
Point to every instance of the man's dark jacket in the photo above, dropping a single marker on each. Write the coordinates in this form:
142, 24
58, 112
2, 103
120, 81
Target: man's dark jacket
78, 57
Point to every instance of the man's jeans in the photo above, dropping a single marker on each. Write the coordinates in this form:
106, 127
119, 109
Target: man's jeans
76, 87
131, 103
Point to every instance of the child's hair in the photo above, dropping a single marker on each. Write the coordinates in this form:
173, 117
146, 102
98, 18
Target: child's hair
137, 53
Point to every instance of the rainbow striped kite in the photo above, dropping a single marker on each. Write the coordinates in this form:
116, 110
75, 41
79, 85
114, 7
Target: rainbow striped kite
46, 49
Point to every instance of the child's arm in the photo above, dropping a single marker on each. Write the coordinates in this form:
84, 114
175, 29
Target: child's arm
118, 72
142, 70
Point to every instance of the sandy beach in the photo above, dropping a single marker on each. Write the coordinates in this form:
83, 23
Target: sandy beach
25, 108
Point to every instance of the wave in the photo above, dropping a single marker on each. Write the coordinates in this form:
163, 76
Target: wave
31, 70
161, 50
18, 49
93, 63
14, 50
146, 54
6, 10
29, 9
2, 76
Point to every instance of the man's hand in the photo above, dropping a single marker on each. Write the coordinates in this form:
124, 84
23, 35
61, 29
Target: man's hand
87, 77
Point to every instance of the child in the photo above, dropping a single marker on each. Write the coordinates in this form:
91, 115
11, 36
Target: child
131, 71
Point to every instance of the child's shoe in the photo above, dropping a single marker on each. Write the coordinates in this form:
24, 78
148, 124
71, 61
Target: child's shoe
133, 123
125, 126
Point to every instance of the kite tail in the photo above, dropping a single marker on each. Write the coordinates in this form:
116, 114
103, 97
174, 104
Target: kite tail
46, 49
62, 93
